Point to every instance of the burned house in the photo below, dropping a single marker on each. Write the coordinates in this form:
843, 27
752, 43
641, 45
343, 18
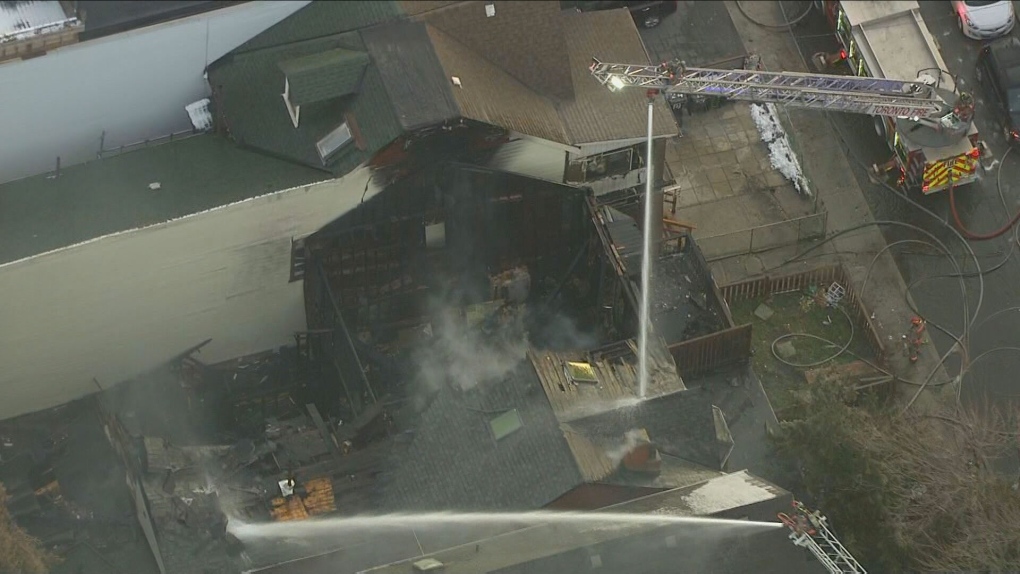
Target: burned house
470, 345
454, 292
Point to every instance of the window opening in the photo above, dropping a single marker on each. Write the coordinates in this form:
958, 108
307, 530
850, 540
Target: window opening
333, 141
297, 259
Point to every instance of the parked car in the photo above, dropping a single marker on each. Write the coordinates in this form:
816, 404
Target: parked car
998, 70
646, 14
984, 19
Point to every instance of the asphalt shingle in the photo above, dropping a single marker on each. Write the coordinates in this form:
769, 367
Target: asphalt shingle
414, 79
324, 76
249, 87
680, 424
455, 463
323, 19
525, 69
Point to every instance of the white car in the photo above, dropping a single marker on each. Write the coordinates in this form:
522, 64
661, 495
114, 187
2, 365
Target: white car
983, 19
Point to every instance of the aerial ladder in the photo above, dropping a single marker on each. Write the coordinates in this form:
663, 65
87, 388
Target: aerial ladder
809, 529
921, 101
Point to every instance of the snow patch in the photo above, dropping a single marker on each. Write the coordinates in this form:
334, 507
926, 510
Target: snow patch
730, 491
781, 155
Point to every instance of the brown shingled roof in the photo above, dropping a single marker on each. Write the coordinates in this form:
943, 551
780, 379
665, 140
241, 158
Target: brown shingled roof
595, 114
489, 94
526, 69
525, 39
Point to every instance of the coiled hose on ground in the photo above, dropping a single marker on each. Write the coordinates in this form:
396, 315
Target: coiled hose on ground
979, 273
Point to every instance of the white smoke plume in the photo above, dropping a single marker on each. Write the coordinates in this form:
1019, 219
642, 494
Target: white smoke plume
631, 439
461, 356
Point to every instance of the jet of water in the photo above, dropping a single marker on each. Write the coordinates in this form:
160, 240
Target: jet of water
338, 525
646, 265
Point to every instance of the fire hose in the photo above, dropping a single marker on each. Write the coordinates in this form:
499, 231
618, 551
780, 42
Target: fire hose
983, 236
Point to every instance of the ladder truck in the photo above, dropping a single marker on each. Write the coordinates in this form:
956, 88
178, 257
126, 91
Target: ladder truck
890, 39
809, 529
931, 123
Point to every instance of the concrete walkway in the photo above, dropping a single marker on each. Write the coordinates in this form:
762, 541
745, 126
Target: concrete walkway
725, 184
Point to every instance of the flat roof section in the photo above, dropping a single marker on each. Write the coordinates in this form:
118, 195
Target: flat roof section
43, 213
861, 11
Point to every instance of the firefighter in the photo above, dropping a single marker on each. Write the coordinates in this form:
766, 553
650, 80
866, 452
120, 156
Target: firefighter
914, 338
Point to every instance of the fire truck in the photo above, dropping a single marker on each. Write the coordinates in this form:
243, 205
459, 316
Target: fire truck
890, 40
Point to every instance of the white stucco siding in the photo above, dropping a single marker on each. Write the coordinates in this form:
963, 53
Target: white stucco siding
133, 86
532, 157
121, 305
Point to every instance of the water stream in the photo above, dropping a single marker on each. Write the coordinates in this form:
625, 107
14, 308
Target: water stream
646, 264
333, 526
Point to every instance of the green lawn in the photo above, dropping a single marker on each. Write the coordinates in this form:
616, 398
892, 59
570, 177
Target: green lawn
796, 312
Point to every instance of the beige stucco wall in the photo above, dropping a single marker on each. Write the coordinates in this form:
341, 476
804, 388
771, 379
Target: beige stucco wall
118, 306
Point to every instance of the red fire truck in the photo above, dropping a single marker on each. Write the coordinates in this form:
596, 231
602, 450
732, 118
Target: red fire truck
890, 40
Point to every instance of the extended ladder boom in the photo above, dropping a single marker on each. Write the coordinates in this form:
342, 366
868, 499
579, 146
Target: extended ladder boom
863, 95
809, 529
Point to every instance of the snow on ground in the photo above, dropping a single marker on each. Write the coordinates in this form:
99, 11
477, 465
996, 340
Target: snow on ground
766, 118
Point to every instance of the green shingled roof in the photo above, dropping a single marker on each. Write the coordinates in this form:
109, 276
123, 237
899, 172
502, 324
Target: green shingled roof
250, 85
324, 76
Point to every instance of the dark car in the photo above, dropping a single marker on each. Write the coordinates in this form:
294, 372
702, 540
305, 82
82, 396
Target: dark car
646, 14
998, 70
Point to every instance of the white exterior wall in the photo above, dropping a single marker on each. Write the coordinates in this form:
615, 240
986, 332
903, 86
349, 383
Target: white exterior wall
121, 305
532, 157
133, 85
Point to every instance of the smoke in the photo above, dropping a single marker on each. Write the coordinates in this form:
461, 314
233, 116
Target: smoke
470, 348
559, 332
631, 439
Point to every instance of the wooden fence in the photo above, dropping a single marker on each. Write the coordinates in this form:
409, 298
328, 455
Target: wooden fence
822, 277
702, 355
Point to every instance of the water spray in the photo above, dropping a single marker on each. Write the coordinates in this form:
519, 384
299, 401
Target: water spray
403, 521
646, 259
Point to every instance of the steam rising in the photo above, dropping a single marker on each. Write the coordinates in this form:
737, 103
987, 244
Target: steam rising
463, 356
631, 439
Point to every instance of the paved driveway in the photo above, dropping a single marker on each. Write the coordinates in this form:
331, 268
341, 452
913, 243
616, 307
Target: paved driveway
699, 33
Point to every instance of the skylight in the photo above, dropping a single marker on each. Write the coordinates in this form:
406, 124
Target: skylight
505, 424
333, 141
580, 372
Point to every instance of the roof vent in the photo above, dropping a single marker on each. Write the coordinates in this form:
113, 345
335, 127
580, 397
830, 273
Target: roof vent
428, 565
456, 81
490, 10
